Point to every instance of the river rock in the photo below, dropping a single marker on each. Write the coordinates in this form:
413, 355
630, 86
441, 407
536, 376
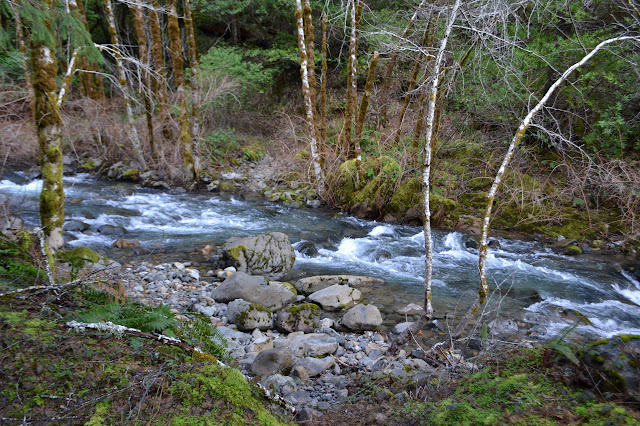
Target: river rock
503, 327
248, 316
312, 284
254, 289
283, 385
336, 297
305, 317
75, 226
125, 244
313, 344
401, 327
616, 361
362, 317
111, 230
308, 249
410, 309
271, 255
313, 366
271, 361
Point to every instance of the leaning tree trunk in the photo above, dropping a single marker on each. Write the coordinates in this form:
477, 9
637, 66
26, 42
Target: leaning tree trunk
427, 314
308, 102
175, 45
483, 290
122, 83
195, 92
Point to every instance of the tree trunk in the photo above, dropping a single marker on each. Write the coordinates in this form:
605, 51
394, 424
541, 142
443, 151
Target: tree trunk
195, 92
362, 113
122, 83
23, 50
143, 51
323, 88
159, 82
352, 83
427, 315
46, 112
309, 38
92, 83
178, 74
308, 102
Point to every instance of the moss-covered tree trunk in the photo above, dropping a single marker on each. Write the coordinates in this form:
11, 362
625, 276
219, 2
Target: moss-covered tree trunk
308, 102
23, 50
122, 84
139, 26
175, 46
92, 84
46, 112
351, 97
195, 91
159, 81
309, 38
322, 126
362, 113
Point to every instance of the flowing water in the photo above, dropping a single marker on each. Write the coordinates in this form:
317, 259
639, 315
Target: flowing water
534, 284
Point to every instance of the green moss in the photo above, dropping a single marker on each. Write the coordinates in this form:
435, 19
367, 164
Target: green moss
89, 165
132, 174
100, 416
616, 382
243, 317
290, 286
573, 250
208, 386
79, 256
297, 309
237, 253
627, 337
597, 359
408, 194
599, 342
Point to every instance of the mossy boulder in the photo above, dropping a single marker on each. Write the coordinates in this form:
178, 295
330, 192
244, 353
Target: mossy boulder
270, 255
249, 316
572, 250
304, 317
615, 363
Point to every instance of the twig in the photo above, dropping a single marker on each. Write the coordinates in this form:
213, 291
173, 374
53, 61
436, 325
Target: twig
40, 234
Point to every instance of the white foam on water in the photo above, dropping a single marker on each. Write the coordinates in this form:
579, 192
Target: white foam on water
453, 241
34, 186
381, 230
630, 294
78, 178
632, 280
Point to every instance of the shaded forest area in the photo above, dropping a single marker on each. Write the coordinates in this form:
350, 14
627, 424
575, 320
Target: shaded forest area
189, 88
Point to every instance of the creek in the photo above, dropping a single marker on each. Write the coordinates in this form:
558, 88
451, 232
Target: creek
537, 287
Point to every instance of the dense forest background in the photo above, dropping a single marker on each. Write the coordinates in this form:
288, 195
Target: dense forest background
186, 89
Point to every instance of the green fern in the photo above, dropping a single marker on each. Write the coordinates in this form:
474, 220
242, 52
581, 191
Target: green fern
200, 332
133, 315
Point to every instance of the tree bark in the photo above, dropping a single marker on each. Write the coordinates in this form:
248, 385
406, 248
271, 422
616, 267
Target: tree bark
122, 83
352, 82
159, 82
178, 74
143, 52
309, 38
23, 50
323, 88
362, 113
308, 102
195, 92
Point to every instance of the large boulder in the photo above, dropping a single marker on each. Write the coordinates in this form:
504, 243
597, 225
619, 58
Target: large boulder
271, 361
313, 344
312, 284
249, 316
616, 362
362, 317
336, 297
273, 295
305, 317
271, 255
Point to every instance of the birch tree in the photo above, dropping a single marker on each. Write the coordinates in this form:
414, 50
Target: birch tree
427, 314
